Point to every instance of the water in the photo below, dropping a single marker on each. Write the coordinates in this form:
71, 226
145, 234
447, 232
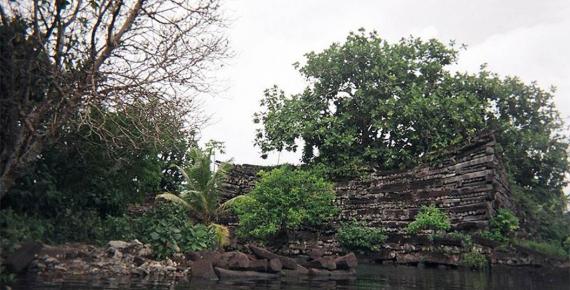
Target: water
369, 277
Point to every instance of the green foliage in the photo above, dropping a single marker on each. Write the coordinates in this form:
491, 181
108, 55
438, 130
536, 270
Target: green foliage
547, 247
167, 229
566, 245
356, 236
464, 237
474, 260
505, 222
495, 236
16, 229
285, 199
200, 193
429, 218
374, 104
84, 171
502, 226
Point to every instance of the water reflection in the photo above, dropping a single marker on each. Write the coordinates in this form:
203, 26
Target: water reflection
369, 277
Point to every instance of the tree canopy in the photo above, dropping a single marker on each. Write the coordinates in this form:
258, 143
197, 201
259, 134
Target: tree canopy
370, 103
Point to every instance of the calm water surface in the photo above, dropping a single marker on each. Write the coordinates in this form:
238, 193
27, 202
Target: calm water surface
369, 277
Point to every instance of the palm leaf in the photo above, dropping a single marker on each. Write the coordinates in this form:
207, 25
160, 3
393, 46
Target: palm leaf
175, 198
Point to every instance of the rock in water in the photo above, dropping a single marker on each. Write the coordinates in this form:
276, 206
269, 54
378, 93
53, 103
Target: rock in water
346, 262
327, 263
262, 253
251, 275
22, 257
275, 265
203, 269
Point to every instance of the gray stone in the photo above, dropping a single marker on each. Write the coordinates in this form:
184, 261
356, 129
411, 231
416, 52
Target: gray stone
245, 275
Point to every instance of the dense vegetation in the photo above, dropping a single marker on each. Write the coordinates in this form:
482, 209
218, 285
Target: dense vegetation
429, 218
356, 236
375, 105
284, 200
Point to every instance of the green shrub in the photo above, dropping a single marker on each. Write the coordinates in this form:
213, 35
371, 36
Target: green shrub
502, 226
168, 230
465, 238
474, 260
495, 236
283, 200
566, 245
505, 222
17, 228
429, 218
356, 236
548, 248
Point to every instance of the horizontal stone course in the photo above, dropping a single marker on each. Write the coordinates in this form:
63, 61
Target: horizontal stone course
468, 183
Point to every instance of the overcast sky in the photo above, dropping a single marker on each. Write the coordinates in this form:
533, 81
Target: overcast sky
529, 39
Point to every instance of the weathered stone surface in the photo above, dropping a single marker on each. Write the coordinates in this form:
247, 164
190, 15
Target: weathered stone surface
299, 272
233, 261
468, 183
274, 265
327, 263
22, 257
245, 275
316, 253
346, 262
203, 269
262, 253
259, 265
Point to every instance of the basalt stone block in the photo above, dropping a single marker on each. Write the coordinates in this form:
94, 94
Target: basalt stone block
346, 262
22, 257
262, 253
203, 269
327, 263
244, 275
274, 265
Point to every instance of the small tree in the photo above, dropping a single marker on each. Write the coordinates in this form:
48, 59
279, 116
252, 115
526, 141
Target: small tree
429, 218
284, 200
200, 192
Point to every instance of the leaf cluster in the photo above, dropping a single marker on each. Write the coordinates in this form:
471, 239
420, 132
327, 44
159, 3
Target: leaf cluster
357, 236
429, 218
284, 200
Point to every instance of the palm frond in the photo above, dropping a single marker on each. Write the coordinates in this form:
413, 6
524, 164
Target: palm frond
175, 198
222, 234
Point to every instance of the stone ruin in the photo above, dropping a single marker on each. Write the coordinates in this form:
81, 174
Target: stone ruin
468, 183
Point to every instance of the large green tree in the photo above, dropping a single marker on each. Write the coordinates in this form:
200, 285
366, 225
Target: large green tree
370, 103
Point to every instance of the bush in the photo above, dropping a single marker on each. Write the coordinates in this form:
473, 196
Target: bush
168, 230
17, 228
283, 200
429, 218
502, 226
356, 236
474, 260
548, 248
465, 238
505, 222
566, 245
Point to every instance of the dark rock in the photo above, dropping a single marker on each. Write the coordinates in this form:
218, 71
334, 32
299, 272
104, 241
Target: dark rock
342, 274
300, 271
327, 263
258, 265
22, 257
232, 260
316, 253
262, 253
246, 275
346, 262
203, 269
274, 265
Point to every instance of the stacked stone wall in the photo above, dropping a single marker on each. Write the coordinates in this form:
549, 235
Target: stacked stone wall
468, 183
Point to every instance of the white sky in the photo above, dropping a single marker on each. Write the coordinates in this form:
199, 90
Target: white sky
529, 39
